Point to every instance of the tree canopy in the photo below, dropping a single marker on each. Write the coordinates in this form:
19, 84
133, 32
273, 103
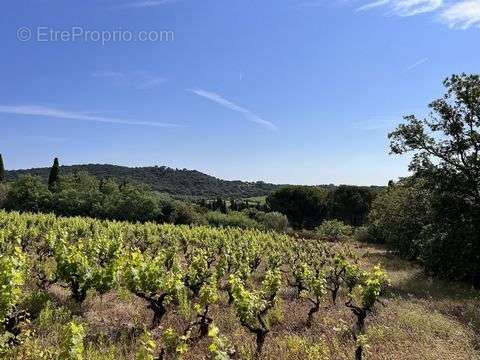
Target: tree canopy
163, 179
446, 150
446, 145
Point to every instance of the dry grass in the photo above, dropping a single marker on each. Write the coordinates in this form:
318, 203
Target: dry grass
421, 318
424, 318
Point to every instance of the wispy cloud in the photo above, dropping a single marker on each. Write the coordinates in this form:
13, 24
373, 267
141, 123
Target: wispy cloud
416, 64
220, 100
41, 111
462, 15
457, 14
373, 5
141, 80
405, 7
145, 4
416, 7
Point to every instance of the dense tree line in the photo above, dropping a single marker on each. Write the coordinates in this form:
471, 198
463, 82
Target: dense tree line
307, 206
83, 195
163, 179
225, 206
250, 218
80, 194
434, 216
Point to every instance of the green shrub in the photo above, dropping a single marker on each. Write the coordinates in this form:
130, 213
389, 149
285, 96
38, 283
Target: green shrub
296, 347
334, 230
364, 234
36, 301
51, 317
72, 347
147, 347
232, 219
398, 218
274, 221
180, 213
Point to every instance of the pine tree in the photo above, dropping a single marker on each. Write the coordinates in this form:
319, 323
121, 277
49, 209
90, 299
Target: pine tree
2, 169
53, 177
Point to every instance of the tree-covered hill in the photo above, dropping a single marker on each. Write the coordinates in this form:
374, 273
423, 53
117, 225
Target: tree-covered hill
164, 179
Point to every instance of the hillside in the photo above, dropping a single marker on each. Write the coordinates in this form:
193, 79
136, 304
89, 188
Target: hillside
164, 179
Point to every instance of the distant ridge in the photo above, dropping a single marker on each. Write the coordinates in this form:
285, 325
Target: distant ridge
164, 179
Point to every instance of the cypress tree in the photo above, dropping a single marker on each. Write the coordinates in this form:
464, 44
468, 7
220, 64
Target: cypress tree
53, 177
2, 169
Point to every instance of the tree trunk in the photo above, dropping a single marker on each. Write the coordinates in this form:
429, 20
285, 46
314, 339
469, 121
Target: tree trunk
261, 335
158, 313
205, 322
79, 295
157, 306
334, 295
358, 353
361, 316
162, 355
311, 313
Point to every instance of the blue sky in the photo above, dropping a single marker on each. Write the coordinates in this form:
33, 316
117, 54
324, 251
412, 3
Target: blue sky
285, 91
